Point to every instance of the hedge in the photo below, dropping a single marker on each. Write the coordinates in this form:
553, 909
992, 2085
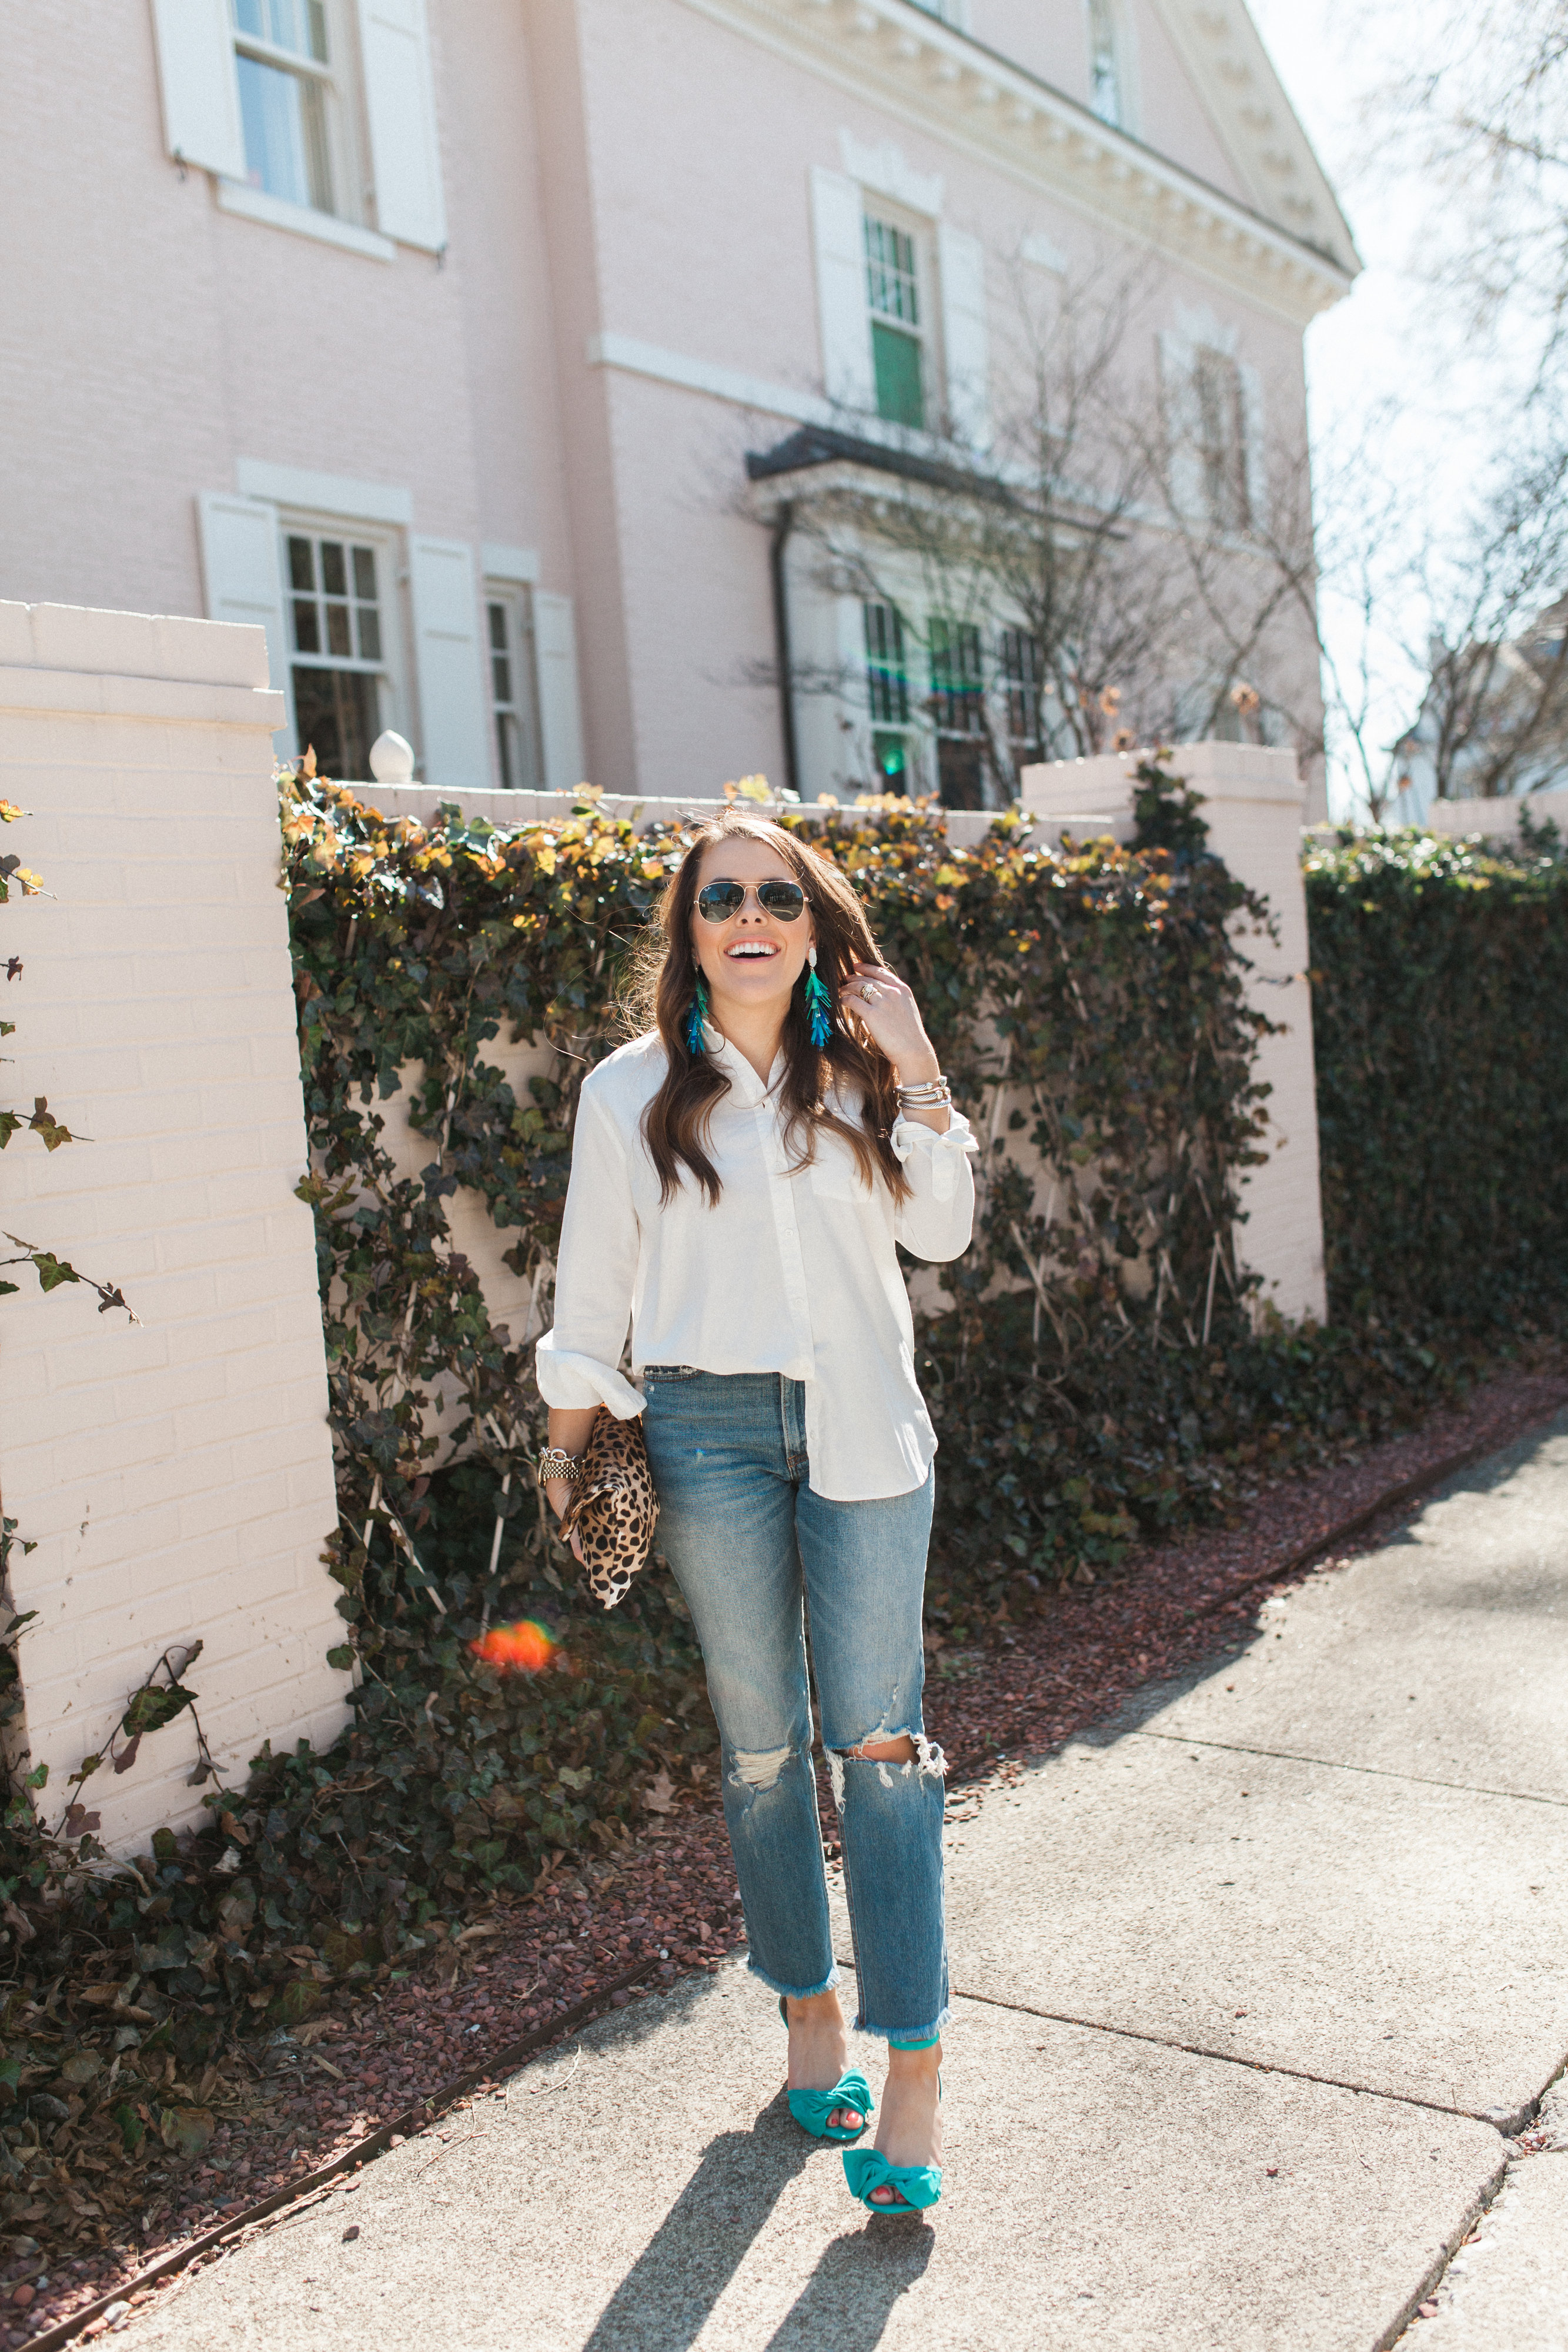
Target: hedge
1440, 1013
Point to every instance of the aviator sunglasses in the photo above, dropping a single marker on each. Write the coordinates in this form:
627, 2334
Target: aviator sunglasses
717, 902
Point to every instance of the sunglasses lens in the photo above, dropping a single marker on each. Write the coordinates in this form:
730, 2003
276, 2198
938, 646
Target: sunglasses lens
785, 900
719, 901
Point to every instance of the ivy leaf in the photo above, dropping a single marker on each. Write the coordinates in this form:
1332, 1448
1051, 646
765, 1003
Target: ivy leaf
154, 1706
53, 1270
43, 1123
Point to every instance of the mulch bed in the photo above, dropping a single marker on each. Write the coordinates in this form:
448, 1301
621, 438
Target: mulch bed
669, 1898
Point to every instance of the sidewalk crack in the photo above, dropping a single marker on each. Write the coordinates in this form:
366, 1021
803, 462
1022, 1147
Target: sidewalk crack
1505, 2124
1372, 1771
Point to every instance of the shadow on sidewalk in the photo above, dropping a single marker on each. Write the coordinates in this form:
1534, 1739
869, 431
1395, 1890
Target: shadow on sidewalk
663, 2302
667, 2296
848, 2300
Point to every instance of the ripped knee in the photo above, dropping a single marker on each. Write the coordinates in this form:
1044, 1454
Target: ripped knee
887, 1751
758, 1767
911, 1754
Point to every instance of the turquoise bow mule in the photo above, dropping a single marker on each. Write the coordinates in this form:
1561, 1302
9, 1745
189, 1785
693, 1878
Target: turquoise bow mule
866, 2169
811, 2109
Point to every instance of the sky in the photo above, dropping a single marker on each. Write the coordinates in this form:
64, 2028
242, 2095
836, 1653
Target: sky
1384, 342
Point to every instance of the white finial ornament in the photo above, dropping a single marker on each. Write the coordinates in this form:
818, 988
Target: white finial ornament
391, 759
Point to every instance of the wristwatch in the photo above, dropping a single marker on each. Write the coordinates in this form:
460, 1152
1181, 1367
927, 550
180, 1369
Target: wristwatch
555, 1461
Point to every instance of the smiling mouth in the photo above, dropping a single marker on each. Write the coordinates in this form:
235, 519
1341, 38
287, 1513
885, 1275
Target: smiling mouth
749, 949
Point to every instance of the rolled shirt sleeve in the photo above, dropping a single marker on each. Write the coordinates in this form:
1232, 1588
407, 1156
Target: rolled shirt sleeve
596, 1271
938, 1219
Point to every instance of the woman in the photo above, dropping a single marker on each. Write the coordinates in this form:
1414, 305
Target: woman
739, 1176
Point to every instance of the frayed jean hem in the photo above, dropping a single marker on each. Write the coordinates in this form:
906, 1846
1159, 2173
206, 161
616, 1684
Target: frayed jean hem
790, 1991
905, 2037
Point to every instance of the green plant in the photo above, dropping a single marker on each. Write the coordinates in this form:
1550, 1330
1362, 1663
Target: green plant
1440, 1016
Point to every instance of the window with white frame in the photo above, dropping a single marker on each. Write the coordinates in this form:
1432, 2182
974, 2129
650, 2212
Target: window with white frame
898, 319
342, 634
957, 711
1106, 94
316, 116
292, 108
1219, 416
514, 685
1020, 684
887, 695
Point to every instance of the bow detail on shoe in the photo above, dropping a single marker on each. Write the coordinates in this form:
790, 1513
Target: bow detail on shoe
811, 2109
866, 2169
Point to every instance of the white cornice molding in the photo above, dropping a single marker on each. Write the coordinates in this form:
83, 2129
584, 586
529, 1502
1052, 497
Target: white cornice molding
1235, 78
941, 81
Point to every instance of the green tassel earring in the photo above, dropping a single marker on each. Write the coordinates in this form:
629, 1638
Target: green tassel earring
819, 1004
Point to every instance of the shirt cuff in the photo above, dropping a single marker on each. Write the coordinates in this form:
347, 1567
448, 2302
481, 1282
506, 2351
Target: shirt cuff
575, 1383
944, 1154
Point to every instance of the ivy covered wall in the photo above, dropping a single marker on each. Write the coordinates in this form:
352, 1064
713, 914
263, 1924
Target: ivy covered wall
1440, 1005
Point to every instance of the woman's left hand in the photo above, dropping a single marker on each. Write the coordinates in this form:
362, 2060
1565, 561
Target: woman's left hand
887, 1011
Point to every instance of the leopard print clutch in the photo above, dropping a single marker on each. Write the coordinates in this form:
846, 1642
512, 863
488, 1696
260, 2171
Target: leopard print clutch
613, 1509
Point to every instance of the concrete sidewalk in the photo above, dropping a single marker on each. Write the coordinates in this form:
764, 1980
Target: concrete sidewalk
1252, 1988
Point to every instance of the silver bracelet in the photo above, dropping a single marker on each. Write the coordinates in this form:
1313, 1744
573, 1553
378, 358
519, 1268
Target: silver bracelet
929, 1094
555, 1461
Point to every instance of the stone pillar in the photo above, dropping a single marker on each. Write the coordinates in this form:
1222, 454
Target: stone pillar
1255, 804
174, 1475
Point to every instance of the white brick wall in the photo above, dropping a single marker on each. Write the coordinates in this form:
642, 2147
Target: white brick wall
176, 1476
1499, 819
1255, 800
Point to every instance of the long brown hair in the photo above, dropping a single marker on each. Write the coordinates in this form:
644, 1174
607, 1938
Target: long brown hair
675, 1124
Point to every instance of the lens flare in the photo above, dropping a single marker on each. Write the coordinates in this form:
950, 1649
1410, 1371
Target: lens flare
524, 1648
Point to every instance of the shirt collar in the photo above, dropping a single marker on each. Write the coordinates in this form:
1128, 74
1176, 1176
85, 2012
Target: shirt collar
744, 1081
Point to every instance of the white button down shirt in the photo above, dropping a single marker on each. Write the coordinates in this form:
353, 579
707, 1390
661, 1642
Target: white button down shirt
791, 1273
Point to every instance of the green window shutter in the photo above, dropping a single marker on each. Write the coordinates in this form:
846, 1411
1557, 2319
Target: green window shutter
900, 395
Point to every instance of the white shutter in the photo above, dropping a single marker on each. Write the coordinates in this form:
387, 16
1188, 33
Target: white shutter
961, 260
400, 101
245, 580
560, 715
454, 747
1178, 398
201, 89
1255, 455
839, 228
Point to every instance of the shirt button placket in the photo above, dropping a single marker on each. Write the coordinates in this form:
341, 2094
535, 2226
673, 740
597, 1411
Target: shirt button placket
790, 1256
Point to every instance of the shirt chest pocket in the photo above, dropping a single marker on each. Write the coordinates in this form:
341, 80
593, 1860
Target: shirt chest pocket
834, 1174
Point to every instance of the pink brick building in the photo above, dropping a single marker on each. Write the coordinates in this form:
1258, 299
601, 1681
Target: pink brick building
437, 334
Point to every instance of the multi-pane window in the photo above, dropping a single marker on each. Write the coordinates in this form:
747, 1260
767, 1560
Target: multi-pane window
285, 69
892, 292
1021, 680
1220, 417
886, 667
1104, 63
958, 708
887, 695
514, 691
957, 678
339, 665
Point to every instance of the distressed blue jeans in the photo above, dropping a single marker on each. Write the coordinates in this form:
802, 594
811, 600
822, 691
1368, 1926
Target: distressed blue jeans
757, 1556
